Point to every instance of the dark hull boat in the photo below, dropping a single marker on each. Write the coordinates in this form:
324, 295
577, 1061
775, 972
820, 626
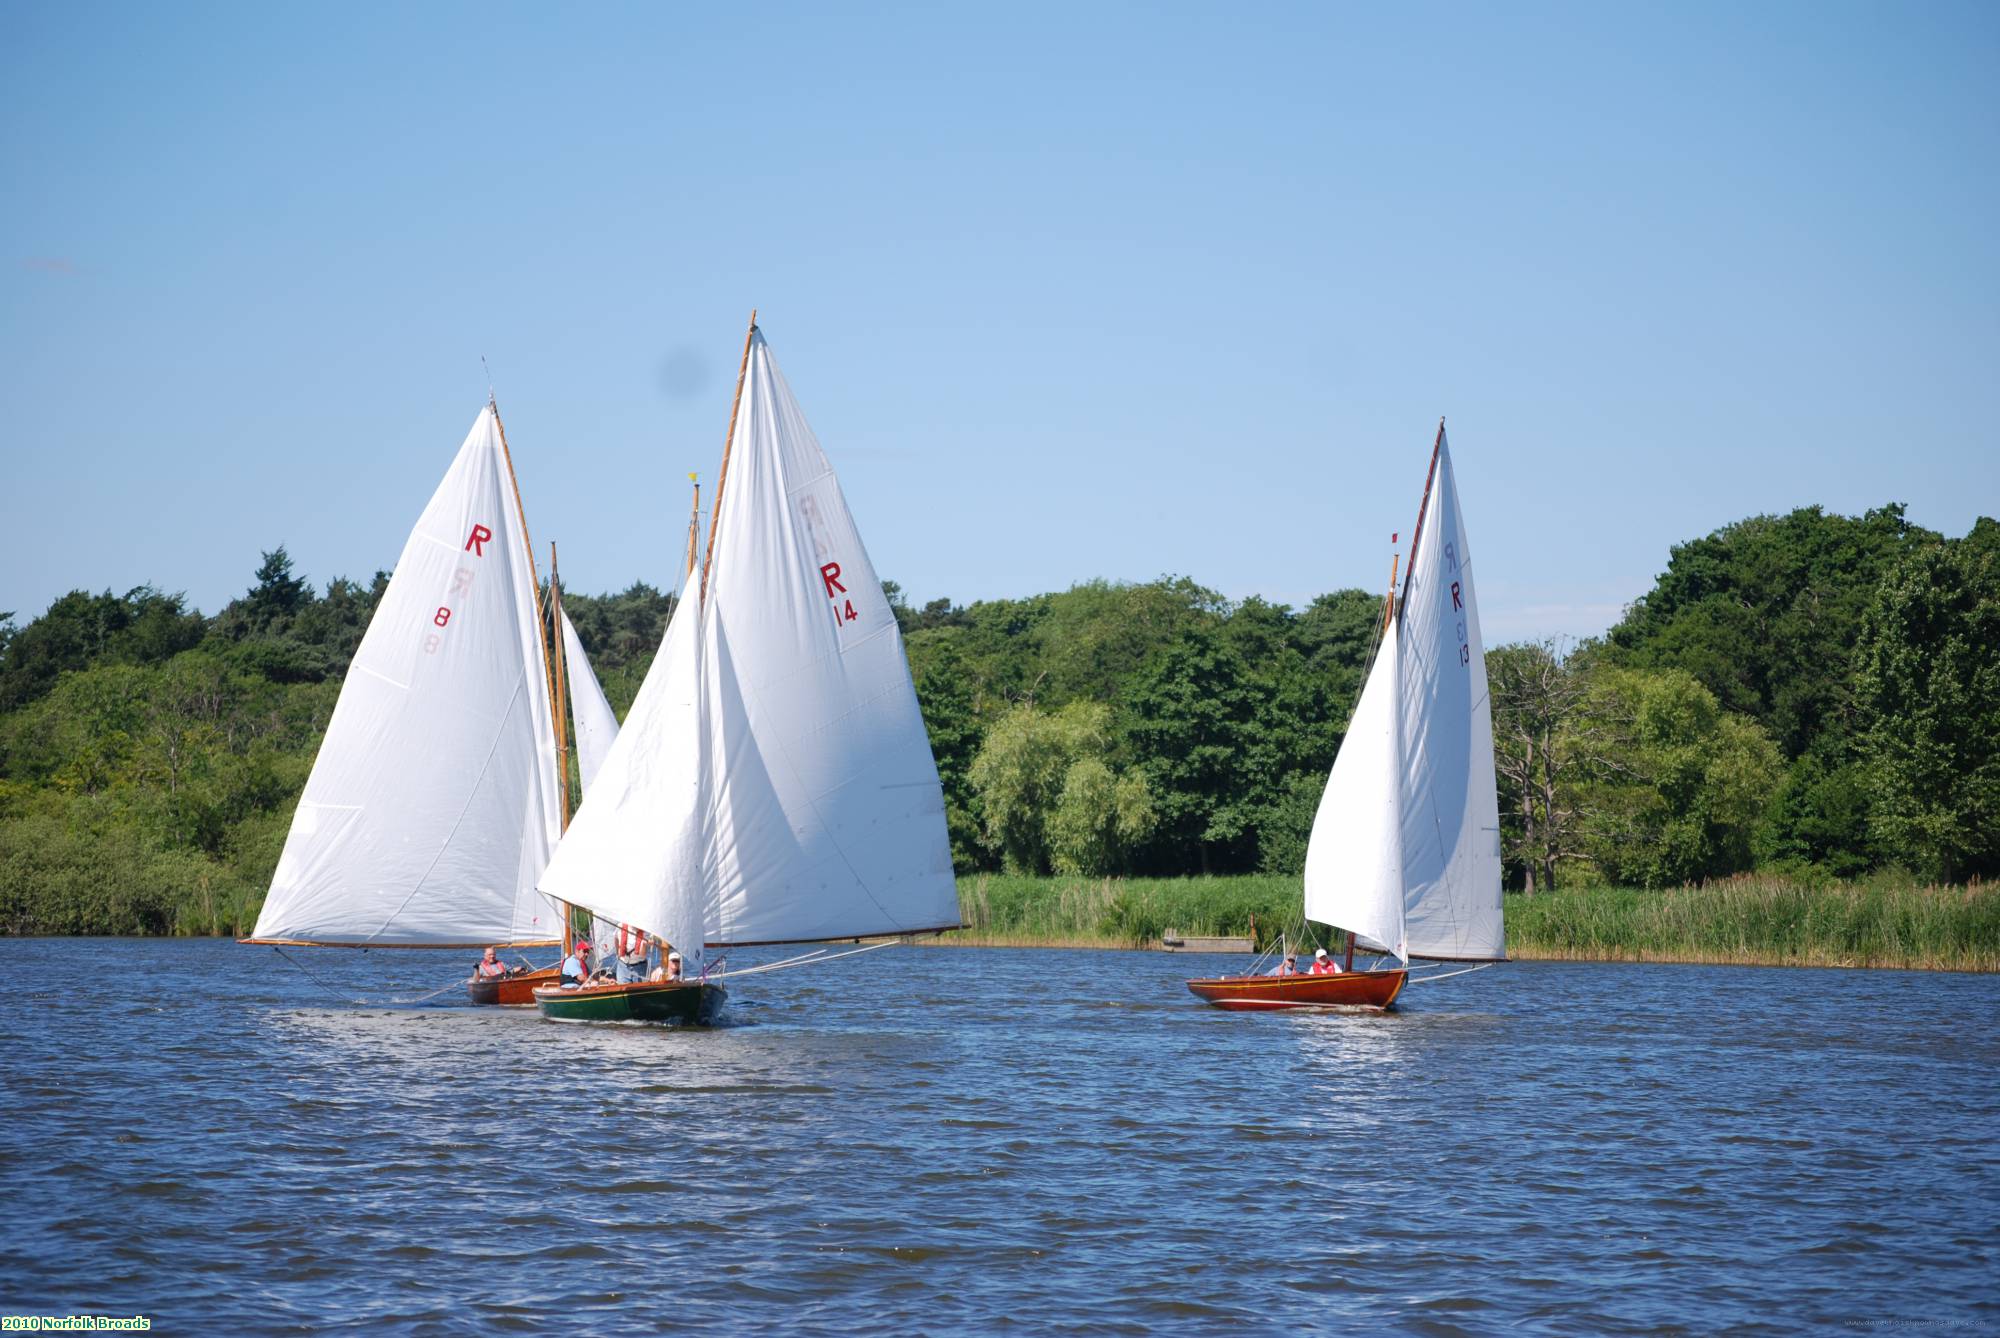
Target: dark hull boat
515, 991
773, 782
1269, 994
688, 1002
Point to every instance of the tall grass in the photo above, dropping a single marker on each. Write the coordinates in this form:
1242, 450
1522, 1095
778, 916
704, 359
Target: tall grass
1767, 920
1887, 920
1023, 911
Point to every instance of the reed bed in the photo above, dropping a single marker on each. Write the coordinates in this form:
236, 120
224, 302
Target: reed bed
1022, 911
1766, 920
1751, 920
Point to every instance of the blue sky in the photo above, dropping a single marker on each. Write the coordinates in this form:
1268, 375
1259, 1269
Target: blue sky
1067, 291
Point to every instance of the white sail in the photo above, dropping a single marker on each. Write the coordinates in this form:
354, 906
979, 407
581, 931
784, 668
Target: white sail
596, 724
635, 852
1450, 809
824, 810
433, 803
1354, 861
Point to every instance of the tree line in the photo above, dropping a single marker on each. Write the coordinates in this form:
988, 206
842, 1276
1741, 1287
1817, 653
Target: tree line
1808, 692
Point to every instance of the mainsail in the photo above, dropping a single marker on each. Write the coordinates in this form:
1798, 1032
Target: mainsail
824, 808
1405, 848
1450, 807
433, 803
773, 779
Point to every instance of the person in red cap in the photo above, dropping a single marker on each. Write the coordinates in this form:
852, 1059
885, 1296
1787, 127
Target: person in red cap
576, 966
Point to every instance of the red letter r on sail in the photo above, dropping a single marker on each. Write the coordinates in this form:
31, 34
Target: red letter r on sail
475, 543
830, 573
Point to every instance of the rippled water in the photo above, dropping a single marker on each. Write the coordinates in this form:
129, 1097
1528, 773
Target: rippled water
921, 1139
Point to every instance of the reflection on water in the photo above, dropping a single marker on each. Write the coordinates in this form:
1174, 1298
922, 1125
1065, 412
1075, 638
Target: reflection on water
917, 1140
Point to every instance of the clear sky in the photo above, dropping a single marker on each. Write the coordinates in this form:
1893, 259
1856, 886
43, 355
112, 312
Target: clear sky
1067, 290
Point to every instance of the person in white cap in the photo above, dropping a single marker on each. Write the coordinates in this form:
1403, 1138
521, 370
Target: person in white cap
668, 969
1323, 965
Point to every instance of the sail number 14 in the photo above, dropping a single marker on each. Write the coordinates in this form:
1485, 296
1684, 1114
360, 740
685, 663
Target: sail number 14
843, 607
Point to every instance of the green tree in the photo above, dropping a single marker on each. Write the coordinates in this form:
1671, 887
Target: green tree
1929, 689
1284, 830
1191, 726
144, 626
1677, 785
945, 698
1050, 796
1537, 693
1099, 816
1819, 815
1765, 613
277, 597
621, 634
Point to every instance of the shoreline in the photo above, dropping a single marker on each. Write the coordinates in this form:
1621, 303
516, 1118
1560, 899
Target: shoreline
959, 940
1884, 922
1633, 957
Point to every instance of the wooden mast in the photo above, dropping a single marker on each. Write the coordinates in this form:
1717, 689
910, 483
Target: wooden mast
722, 479
694, 524
561, 662
535, 588
1389, 607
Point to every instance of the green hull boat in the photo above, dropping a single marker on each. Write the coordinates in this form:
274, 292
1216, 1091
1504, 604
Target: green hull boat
690, 1003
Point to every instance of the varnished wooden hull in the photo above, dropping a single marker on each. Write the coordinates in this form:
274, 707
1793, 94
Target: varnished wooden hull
1270, 994
690, 1003
515, 991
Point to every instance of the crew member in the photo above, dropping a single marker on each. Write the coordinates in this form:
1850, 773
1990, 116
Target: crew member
1323, 965
632, 954
576, 966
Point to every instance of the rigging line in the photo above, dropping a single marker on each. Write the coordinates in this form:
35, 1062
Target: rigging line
426, 998
799, 960
355, 1000
809, 959
1425, 980
359, 1003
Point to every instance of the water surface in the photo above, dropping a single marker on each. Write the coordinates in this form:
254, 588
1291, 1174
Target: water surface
923, 1139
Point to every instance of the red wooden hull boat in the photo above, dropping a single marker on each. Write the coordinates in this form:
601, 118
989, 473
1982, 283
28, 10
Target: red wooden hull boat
515, 991
1265, 994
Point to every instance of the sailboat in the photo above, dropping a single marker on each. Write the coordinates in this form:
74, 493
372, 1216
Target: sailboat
773, 782
438, 792
578, 696
1405, 847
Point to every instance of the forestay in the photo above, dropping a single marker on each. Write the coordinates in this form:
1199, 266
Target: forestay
1450, 808
1354, 861
432, 806
596, 725
635, 852
825, 816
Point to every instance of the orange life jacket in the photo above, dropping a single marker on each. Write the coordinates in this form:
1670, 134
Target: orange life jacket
631, 942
